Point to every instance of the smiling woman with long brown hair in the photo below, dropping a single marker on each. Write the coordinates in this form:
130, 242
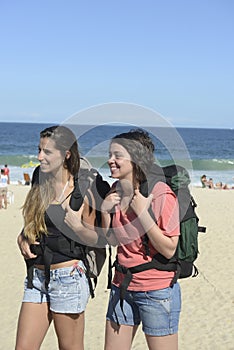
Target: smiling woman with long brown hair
56, 288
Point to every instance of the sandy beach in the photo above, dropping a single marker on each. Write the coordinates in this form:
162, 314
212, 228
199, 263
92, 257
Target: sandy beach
207, 318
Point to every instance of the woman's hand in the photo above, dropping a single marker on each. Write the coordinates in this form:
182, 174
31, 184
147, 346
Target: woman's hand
74, 218
140, 203
110, 202
82, 223
24, 247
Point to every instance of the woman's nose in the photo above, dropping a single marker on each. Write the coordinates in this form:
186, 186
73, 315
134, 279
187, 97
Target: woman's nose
110, 160
39, 156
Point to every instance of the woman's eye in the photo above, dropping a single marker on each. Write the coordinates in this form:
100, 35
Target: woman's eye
116, 155
119, 155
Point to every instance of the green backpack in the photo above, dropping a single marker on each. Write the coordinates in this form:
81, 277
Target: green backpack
182, 263
177, 177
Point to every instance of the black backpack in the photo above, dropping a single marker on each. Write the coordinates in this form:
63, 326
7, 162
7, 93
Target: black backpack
182, 263
93, 257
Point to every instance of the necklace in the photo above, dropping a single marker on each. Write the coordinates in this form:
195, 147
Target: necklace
63, 191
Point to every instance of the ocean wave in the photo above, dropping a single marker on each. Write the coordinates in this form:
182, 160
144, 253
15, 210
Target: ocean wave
228, 161
17, 160
213, 164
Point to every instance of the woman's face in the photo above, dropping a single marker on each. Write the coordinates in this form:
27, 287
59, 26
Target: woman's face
120, 162
50, 158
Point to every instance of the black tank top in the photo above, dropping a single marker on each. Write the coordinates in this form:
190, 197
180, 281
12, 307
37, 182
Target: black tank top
55, 246
54, 220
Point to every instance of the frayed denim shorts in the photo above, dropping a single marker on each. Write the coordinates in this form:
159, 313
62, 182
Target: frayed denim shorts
157, 310
68, 290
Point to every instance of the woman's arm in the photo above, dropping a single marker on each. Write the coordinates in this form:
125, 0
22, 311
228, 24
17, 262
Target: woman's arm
164, 244
82, 222
107, 209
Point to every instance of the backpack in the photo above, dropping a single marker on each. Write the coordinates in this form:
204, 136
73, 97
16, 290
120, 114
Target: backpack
182, 263
178, 179
93, 257
90, 178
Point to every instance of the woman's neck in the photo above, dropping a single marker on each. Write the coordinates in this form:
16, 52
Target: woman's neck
126, 191
61, 177
125, 188
63, 184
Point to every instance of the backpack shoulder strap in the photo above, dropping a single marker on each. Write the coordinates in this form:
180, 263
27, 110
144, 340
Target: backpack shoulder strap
82, 182
155, 175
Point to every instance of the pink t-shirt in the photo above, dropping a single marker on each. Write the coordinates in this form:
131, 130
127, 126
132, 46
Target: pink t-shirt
131, 251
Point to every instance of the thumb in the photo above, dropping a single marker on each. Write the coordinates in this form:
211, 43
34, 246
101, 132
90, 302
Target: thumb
150, 198
82, 207
67, 208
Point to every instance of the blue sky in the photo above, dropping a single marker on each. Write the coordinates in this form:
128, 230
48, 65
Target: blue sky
173, 56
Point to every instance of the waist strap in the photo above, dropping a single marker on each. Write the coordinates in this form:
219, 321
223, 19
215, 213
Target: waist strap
47, 257
75, 251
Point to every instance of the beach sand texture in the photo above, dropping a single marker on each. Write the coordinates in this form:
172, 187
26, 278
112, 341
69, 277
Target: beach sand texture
207, 318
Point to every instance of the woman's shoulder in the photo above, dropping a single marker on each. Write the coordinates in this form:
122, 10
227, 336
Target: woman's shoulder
161, 188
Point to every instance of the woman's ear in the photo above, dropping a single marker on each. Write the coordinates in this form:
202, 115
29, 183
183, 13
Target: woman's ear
67, 154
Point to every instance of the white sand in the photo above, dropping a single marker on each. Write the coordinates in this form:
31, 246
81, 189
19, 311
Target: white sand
207, 318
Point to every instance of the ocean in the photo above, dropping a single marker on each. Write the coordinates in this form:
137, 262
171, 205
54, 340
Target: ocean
201, 151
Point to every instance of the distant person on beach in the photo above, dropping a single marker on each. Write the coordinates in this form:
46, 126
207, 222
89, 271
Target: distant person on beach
204, 181
56, 287
3, 189
210, 183
7, 173
150, 299
221, 186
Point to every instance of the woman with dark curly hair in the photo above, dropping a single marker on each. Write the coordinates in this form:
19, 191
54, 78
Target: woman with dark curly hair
149, 297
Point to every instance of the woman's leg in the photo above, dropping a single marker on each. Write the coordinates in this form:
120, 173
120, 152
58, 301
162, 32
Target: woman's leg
162, 343
119, 337
160, 312
69, 295
34, 321
70, 330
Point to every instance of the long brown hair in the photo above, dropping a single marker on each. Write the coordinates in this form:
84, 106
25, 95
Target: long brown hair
42, 193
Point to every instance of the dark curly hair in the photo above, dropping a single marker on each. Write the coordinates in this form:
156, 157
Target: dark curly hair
141, 148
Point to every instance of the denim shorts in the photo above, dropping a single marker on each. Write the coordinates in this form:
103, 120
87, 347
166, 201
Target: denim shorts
158, 310
68, 290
